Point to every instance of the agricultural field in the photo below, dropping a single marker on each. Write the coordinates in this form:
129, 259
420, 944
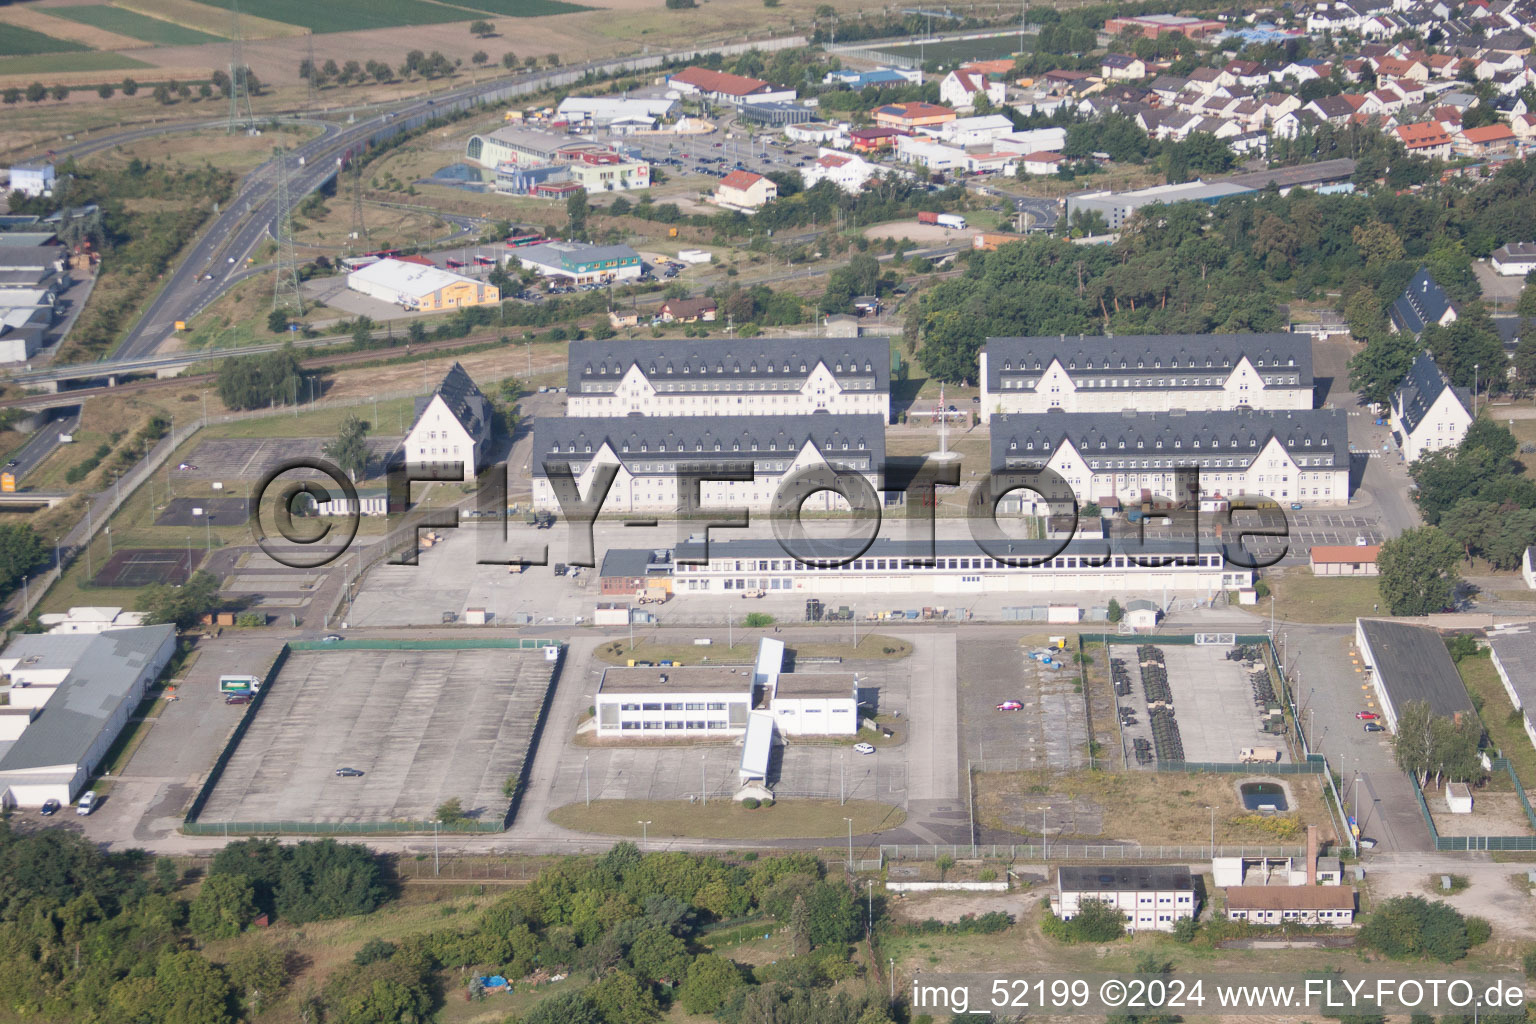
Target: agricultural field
16, 41
135, 25
319, 18
213, 20
54, 63
522, 8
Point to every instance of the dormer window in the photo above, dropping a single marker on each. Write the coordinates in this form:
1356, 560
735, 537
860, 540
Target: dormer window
1158, 443
754, 446
845, 446
1121, 445
587, 449
717, 446
735, 367
1197, 442
589, 369
624, 447
1308, 442
1013, 446
653, 367
685, 369
1141, 444
669, 368
1103, 444
644, 448
735, 446
752, 368
1007, 364
802, 367
838, 368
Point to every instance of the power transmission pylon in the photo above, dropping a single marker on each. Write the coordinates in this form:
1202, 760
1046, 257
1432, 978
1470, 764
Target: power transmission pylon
240, 116
285, 287
309, 42
359, 226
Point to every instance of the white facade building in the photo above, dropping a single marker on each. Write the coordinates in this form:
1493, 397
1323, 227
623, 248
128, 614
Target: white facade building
649, 452
451, 426
1154, 373
735, 377
1038, 140
90, 620
1149, 898
1298, 456
1427, 413
848, 171
32, 179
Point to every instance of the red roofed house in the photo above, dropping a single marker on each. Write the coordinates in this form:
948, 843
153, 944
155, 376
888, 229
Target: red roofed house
727, 88
991, 68
1041, 163
745, 191
960, 89
1489, 139
1345, 559
687, 311
1427, 138
907, 117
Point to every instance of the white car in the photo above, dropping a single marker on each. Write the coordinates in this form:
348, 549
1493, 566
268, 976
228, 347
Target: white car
87, 803
864, 748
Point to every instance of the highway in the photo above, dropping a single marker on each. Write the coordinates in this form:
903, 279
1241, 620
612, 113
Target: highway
42, 443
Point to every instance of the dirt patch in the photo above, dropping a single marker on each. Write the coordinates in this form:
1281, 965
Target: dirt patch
1493, 814
1497, 894
933, 233
63, 28
948, 907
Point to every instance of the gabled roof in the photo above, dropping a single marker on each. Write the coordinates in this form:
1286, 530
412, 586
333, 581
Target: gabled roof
1344, 554
1032, 438
1149, 353
1421, 389
1423, 135
740, 180
720, 82
718, 365
1290, 897
694, 440
1422, 303
1415, 666
1488, 133
463, 399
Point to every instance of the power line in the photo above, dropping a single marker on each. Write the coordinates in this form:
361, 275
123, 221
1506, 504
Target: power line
285, 287
240, 116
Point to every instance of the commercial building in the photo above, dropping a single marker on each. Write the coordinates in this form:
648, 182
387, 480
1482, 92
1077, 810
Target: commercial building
891, 568
1151, 372
1422, 303
1427, 413
650, 452
909, 117
1117, 207
1148, 897
1407, 664
730, 377
671, 701
84, 688
858, 81
1291, 904
778, 114
421, 288
1345, 559
580, 262
451, 425
32, 179
1516, 259
523, 146
1513, 651
745, 191
1153, 25
1297, 456
1036, 140
605, 111
23, 329
721, 87
90, 620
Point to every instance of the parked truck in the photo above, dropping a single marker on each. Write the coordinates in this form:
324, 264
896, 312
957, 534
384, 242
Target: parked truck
1258, 755
927, 217
951, 220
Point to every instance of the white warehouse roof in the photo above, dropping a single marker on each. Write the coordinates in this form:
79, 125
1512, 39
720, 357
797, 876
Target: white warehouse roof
408, 279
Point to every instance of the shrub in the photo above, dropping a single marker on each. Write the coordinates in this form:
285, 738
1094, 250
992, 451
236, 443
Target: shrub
1410, 927
1479, 931
758, 620
750, 803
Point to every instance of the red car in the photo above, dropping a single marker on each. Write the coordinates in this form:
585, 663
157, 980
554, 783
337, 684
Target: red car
1367, 716
1011, 705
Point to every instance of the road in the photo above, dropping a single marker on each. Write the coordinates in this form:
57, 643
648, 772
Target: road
42, 443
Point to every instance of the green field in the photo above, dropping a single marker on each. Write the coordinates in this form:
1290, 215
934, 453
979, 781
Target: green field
959, 50
16, 41
521, 8
51, 63
319, 18
134, 25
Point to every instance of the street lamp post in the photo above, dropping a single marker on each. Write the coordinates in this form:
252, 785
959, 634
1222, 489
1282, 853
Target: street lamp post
26, 596
644, 825
436, 867
586, 777
1213, 830
1045, 840
703, 782
850, 842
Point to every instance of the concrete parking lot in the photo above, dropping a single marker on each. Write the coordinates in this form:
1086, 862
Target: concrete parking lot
1213, 704
423, 725
1050, 732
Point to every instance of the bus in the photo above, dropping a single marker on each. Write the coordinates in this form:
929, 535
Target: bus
518, 241
383, 254
453, 264
484, 261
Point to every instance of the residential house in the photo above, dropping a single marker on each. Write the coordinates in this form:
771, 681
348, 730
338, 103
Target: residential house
1062, 82
1427, 413
872, 140
745, 191
1422, 303
451, 426
847, 171
1344, 559
1336, 109
1122, 67
1426, 139
687, 311
1041, 163
1489, 140
1397, 67
960, 88
971, 131
1514, 259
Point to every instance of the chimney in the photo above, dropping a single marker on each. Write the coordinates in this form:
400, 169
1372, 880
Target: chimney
1311, 854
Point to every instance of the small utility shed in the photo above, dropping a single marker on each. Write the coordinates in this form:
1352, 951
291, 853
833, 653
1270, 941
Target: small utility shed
1410, 663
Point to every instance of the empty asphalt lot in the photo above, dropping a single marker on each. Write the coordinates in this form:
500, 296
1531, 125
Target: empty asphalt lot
423, 725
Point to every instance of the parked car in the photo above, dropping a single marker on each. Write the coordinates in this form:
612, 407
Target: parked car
50, 808
1367, 716
87, 803
237, 698
1375, 727
332, 638
1011, 705
864, 748
348, 773
1295, 506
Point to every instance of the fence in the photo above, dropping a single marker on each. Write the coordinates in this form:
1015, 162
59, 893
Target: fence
335, 828
467, 643
1079, 851
1479, 844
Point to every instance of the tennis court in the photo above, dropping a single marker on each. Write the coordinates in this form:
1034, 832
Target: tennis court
192, 511
139, 567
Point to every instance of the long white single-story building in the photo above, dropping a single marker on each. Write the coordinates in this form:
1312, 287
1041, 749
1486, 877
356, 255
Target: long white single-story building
1514, 658
82, 687
1407, 664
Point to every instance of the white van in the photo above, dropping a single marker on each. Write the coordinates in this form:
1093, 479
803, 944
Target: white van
87, 803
